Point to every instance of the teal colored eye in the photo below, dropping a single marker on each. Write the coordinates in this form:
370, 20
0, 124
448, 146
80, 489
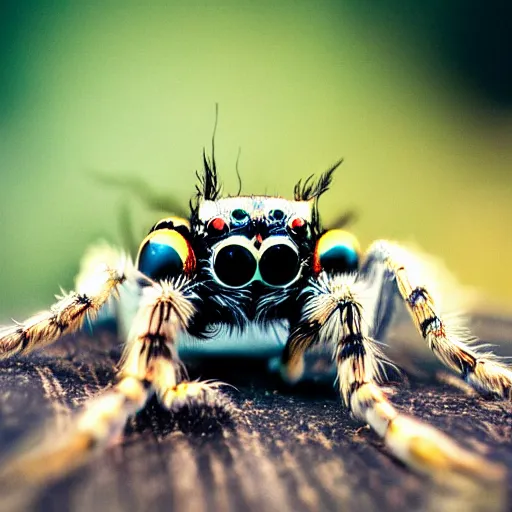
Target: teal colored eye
340, 258
165, 254
159, 261
239, 216
336, 251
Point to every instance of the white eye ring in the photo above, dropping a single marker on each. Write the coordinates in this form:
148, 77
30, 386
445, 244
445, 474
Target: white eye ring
276, 240
242, 241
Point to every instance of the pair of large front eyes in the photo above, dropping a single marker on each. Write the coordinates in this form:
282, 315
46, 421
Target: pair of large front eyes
236, 263
166, 253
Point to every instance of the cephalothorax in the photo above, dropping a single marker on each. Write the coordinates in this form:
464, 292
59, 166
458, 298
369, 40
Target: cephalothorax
257, 259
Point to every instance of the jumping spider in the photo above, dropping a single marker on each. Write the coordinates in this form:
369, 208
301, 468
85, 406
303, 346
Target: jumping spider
248, 260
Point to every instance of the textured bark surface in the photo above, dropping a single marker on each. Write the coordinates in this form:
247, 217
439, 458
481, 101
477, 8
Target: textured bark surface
287, 449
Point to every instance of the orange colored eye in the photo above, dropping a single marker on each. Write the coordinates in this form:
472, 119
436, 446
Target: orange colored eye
217, 226
164, 254
297, 224
336, 251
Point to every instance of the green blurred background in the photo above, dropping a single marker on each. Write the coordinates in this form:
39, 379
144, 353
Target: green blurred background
416, 98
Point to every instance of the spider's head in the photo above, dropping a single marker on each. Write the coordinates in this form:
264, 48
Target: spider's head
209, 191
256, 238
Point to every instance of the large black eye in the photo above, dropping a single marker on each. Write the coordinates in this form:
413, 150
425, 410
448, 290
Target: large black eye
235, 265
279, 265
165, 254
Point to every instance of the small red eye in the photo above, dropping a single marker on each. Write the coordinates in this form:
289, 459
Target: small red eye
217, 226
297, 223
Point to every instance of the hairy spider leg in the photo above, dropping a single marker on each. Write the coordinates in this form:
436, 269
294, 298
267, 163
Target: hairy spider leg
174, 396
103, 270
333, 314
165, 310
450, 341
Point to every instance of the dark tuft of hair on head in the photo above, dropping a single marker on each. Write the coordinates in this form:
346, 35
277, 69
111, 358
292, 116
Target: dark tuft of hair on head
208, 187
311, 189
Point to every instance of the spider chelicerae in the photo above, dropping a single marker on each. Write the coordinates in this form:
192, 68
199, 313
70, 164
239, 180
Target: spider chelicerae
257, 260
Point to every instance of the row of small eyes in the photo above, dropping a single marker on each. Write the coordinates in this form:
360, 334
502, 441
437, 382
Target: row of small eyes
220, 226
241, 216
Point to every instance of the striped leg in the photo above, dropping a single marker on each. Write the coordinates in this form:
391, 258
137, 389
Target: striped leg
453, 345
161, 316
165, 310
332, 314
102, 272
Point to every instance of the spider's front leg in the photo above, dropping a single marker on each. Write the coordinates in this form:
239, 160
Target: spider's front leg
149, 365
332, 313
151, 353
103, 270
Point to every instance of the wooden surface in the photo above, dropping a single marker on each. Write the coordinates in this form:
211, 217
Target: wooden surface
284, 449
